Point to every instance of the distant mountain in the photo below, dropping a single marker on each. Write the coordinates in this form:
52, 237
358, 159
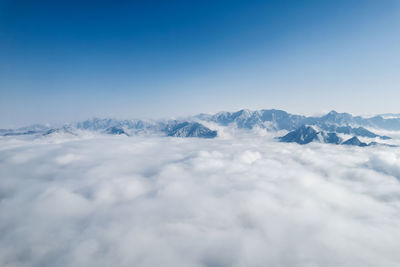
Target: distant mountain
41, 131
34, 127
96, 124
116, 131
271, 119
390, 115
16, 132
121, 127
334, 117
303, 135
328, 125
307, 134
359, 131
66, 130
189, 129
332, 138
170, 128
354, 141
281, 120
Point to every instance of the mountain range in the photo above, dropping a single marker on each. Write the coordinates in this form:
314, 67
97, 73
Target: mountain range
307, 134
281, 120
326, 127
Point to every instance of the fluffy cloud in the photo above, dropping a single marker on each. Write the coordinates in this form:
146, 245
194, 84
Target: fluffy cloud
232, 201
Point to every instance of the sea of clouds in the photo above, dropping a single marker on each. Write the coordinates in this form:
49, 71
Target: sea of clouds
244, 200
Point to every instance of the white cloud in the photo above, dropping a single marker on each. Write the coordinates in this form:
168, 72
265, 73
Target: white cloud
232, 201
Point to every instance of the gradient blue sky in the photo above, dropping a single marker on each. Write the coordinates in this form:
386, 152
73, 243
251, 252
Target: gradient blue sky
70, 60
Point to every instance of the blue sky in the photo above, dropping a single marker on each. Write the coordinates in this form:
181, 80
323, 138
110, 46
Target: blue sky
70, 60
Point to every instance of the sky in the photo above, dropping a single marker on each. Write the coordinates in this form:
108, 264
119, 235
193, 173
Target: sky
69, 60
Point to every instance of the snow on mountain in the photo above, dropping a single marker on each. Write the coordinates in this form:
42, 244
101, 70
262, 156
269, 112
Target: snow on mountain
66, 130
116, 131
354, 141
308, 134
326, 127
359, 131
281, 120
286, 121
303, 135
189, 129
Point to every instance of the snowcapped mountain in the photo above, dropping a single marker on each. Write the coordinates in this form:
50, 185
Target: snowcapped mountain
281, 120
303, 135
169, 128
60, 131
121, 127
359, 131
334, 117
308, 134
278, 119
116, 131
323, 128
189, 129
96, 124
354, 141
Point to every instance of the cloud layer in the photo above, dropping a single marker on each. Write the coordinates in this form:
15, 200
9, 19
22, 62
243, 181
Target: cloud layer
233, 201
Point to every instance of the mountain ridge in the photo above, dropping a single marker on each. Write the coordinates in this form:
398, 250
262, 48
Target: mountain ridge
194, 126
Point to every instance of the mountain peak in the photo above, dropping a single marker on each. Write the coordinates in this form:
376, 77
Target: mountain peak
354, 141
189, 129
303, 135
116, 131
